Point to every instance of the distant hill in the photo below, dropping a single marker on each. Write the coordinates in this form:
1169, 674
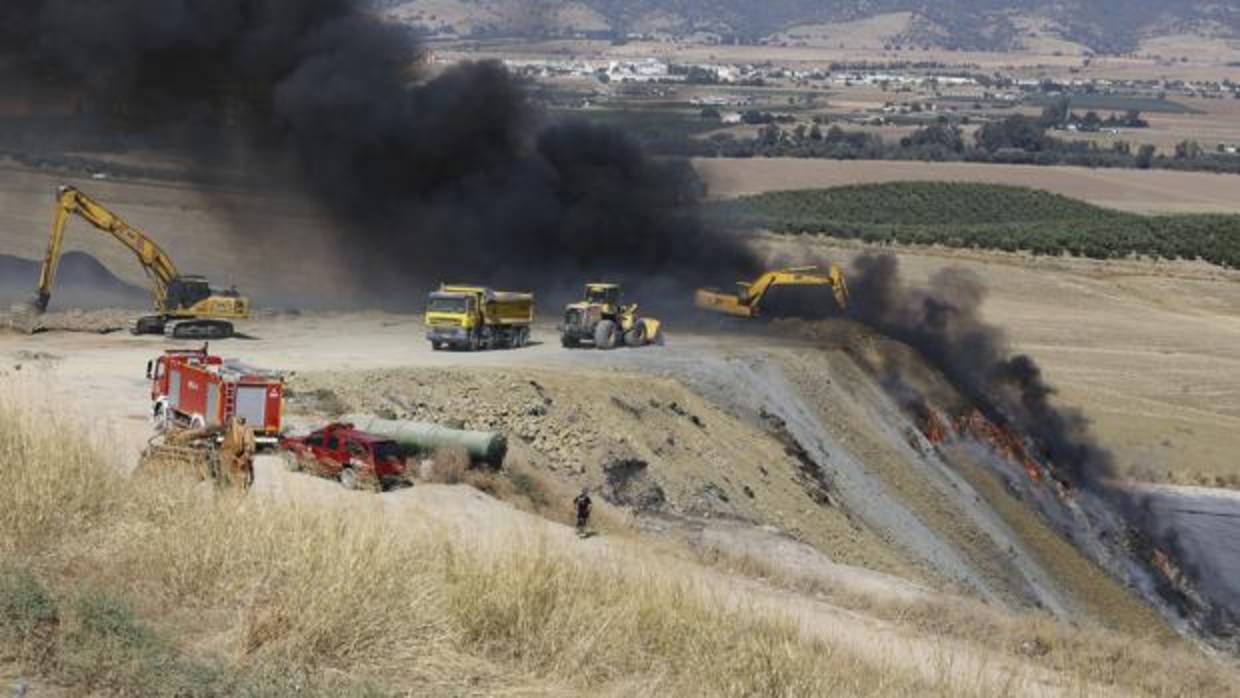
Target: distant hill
1105, 26
81, 282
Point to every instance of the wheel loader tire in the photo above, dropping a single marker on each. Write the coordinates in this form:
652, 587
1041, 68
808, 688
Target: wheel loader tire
658, 338
348, 478
606, 335
291, 462
569, 342
636, 337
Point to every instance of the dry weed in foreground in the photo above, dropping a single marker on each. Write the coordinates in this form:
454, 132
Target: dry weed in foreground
152, 585
1090, 654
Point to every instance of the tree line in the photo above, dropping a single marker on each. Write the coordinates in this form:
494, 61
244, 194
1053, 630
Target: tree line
984, 216
1016, 139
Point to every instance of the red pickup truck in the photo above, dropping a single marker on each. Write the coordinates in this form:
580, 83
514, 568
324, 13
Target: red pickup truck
340, 452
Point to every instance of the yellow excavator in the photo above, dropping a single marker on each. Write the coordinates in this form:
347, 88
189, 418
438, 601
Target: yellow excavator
186, 307
751, 299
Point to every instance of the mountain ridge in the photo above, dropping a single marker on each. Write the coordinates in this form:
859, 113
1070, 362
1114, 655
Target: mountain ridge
1103, 26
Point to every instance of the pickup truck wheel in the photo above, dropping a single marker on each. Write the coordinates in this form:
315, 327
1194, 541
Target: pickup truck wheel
605, 334
348, 478
291, 462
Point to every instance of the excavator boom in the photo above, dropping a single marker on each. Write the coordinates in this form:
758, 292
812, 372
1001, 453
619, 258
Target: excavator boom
69, 201
749, 298
184, 305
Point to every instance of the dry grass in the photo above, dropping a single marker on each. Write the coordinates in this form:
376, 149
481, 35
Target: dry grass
156, 586
447, 466
1148, 666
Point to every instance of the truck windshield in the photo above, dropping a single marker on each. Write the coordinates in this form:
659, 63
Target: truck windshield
386, 450
448, 305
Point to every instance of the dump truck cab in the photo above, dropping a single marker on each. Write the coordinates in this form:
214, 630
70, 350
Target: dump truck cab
601, 319
477, 317
338, 451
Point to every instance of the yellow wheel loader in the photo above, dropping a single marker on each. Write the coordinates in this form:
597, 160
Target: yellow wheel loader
603, 321
186, 307
798, 287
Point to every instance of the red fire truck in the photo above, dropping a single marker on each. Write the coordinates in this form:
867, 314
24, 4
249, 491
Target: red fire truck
192, 388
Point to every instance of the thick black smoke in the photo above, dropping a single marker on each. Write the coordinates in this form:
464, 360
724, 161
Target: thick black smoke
943, 322
454, 173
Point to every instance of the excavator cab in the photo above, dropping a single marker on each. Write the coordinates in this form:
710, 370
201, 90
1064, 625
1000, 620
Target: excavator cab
185, 292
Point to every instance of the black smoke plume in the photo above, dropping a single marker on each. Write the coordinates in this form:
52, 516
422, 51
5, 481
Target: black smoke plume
450, 172
943, 322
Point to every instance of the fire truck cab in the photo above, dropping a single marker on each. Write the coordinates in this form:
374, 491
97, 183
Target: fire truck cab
192, 388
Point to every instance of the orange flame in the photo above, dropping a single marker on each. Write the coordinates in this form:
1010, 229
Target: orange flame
1003, 439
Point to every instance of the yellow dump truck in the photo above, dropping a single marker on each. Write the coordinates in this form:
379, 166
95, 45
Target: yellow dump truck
476, 317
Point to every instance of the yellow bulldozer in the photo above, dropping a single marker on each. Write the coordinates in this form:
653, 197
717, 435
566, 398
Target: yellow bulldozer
186, 307
753, 299
602, 320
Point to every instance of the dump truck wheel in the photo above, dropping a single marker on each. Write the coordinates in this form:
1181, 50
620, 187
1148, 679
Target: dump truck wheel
605, 335
474, 342
636, 337
348, 478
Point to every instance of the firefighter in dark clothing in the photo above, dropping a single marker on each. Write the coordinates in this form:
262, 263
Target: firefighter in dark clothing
583, 504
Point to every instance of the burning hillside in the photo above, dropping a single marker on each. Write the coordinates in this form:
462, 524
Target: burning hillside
995, 408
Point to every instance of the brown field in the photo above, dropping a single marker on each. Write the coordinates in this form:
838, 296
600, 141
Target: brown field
1127, 190
1218, 123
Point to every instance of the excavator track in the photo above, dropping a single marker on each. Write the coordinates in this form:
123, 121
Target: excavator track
199, 329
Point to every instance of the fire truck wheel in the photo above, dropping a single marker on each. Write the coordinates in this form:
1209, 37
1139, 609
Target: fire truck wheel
348, 478
161, 417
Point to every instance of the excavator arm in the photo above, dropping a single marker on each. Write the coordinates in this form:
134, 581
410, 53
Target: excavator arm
69, 201
748, 300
